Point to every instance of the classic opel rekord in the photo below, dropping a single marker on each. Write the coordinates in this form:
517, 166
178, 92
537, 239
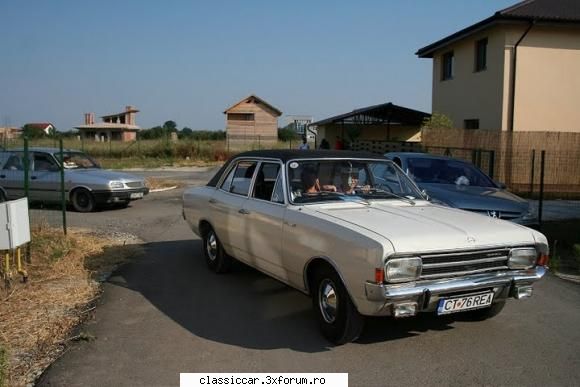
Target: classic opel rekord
355, 233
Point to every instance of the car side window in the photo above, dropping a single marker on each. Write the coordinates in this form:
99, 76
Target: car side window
44, 162
265, 184
239, 179
14, 163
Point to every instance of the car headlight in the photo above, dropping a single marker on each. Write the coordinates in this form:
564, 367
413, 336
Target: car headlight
403, 269
522, 258
532, 212
116, 184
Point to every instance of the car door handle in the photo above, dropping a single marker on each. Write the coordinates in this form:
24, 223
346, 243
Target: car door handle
212, 201
243, 211
290, 224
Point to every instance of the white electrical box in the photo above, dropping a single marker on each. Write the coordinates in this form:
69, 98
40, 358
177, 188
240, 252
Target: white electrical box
14, 224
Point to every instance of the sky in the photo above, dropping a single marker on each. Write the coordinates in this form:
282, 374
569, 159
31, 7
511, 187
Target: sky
188, 61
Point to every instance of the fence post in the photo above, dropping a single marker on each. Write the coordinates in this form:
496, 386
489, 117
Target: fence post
491, 163
62, 192
26, 166
532, 173
541, 204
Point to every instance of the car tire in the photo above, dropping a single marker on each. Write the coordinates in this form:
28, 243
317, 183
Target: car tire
83, 200
215, 256
337, 316
485, 313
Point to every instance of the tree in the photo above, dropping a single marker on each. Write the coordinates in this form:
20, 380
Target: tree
287, 133
31, 131
437, 121
170, 126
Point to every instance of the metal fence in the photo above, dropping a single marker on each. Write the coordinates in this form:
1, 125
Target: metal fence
37, 174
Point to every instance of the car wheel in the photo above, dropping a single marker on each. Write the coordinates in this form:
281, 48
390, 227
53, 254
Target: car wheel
485, 313
215, 256
337, 316
83, 200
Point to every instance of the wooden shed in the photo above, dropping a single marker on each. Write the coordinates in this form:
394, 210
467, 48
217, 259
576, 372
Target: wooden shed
252, 119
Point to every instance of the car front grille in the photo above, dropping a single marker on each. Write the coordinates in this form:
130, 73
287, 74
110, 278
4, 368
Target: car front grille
134, 184
507, 215
440, 265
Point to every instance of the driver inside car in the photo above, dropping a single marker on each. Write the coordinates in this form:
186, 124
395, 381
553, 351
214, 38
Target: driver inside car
311, 185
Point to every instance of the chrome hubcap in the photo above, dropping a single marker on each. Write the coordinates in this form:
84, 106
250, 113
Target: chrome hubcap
327, 300
211, 246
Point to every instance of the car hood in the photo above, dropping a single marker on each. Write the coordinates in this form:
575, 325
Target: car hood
102, 174
476, 198
427, 227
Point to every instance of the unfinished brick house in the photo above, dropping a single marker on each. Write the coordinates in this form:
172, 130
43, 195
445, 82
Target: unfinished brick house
114, 127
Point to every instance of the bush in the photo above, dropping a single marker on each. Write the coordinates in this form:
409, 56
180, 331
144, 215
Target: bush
287, 134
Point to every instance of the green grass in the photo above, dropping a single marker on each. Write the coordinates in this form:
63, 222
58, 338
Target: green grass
564, 239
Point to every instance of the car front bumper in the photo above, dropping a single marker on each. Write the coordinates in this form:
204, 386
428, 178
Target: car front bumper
121, 196
427, 294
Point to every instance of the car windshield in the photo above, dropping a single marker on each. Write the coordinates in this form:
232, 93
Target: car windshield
311, 181
77, 160
446, 171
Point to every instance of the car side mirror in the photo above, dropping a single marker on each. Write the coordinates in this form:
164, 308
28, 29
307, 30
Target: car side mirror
425, 194
501, 185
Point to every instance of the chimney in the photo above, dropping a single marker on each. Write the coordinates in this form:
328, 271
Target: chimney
130, 116
89, 118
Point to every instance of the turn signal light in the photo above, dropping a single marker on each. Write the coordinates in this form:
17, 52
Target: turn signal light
543, 260
379, 276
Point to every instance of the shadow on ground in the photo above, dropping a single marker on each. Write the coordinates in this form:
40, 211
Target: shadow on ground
244, 307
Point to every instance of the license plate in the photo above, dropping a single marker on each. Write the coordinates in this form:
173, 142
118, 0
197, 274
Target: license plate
462, 303
136, 195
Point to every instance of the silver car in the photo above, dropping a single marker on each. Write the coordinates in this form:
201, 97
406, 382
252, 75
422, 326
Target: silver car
354, 232
460, 184
87, 186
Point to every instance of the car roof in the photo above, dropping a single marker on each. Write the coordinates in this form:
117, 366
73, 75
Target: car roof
418, 155
40, 149
289, 154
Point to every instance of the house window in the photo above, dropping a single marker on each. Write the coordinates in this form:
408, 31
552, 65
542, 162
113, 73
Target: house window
240, 116
481, 55
471, 124
447, 67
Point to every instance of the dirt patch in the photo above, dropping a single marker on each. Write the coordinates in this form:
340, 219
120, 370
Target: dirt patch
38, 317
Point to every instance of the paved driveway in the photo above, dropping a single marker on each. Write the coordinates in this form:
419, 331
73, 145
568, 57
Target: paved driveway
168, 314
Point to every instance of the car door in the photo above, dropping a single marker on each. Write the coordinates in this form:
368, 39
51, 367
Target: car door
264, 213
227, 208
12, 175
44, 178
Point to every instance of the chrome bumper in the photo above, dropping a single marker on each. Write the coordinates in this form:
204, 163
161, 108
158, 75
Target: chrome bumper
426, 293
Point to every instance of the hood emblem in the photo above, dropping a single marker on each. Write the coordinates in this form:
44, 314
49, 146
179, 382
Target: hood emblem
493, 214
470, 239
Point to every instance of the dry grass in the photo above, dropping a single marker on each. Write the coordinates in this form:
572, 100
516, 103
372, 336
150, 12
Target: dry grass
37, 317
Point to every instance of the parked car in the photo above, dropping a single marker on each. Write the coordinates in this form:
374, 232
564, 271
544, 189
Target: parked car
460, 184
354, 232
87, 186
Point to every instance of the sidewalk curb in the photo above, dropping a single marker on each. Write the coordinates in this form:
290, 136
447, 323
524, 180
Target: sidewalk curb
163, 189
568, 277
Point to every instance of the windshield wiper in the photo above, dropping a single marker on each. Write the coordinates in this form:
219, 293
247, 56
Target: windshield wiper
392, 194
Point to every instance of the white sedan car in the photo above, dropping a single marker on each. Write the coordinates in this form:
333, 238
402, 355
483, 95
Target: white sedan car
354, 232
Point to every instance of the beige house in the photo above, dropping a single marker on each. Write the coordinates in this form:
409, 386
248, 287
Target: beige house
252, 119
114, 127
518, 70
9, 133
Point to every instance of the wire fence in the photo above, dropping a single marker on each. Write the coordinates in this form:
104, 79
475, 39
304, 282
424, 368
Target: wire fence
37, 174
